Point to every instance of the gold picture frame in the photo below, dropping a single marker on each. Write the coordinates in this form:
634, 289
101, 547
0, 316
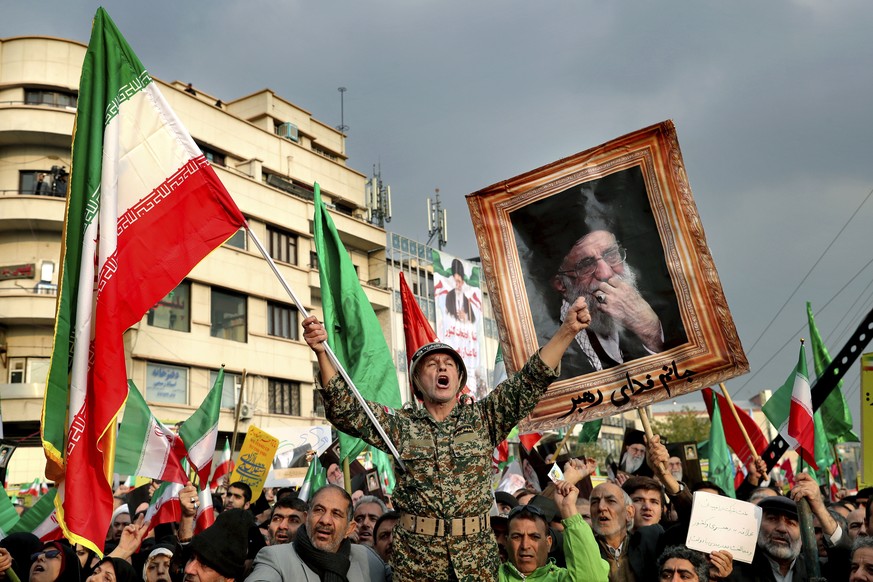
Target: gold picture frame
635, 188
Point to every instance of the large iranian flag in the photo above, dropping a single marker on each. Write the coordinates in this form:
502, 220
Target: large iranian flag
143, 208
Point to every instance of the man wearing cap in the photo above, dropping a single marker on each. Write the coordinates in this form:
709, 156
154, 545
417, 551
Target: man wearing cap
218, 553
529, 541
321, 549
777, 557
444, 495
457, 304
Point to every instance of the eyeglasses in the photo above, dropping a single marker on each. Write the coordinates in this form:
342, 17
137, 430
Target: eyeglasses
49, 554
612, 256
532, 509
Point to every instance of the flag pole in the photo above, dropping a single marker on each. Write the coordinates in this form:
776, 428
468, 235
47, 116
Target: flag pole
563, 443
333, 359
644, 418
733, 408
239, 401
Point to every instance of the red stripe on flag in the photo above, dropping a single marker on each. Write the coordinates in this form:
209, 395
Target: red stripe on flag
154, 254
732, 432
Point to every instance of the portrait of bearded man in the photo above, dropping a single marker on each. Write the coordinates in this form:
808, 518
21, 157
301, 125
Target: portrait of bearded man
599, 240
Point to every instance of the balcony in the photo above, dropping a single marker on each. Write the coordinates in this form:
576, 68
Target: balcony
29, 212
23, 305
42, 125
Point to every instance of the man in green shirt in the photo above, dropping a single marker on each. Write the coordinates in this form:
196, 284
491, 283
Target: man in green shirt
529, 541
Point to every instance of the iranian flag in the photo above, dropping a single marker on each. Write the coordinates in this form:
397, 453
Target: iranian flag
164, 506
33, 488
790, 411
205, 515
145, 447
200, 432
224, 468
41, 519
143, 208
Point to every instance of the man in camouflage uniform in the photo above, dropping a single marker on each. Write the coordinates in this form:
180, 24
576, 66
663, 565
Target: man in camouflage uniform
445, 494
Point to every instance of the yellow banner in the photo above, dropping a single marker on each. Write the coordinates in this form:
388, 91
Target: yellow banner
255, 460
866, 420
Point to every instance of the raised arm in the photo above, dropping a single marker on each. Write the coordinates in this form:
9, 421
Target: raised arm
576, 320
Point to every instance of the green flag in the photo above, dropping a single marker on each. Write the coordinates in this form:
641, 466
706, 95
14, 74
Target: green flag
836, 418
590, 431
720, 463
383, 464
316, 478
8, 515
353, 331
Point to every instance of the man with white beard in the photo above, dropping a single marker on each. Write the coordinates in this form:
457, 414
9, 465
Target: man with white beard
674, 465
623, 324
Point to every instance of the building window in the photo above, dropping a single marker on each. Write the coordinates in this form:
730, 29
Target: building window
52, 98
284, 397
28, 370
282, 320
174, 310
215, 157
166, 384
238, 240
228, 316
317, 404
230, 389
283, 245
43, 182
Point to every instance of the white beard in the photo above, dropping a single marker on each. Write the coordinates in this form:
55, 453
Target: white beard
630, 464
601, 323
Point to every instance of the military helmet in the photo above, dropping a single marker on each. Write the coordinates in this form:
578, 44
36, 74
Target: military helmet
434, 348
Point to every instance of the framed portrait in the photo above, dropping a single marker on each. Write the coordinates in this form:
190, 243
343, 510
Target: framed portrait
617, 225
5, 454
373, 487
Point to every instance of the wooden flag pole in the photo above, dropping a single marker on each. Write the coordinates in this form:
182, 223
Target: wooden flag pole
562, 444
647, 428
733, 408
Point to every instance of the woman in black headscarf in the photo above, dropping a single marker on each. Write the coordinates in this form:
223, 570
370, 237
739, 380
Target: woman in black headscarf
20, 546
113, 570
54, 562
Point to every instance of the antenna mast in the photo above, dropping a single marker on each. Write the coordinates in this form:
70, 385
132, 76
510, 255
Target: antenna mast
378, 199
437, 224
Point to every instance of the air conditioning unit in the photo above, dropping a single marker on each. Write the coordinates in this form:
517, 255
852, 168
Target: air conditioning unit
246, 411
289, 130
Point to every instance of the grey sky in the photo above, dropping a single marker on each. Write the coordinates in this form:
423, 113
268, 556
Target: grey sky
771, 102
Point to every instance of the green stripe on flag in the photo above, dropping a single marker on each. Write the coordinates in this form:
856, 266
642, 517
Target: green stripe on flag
133, 433
37, 514
8, 515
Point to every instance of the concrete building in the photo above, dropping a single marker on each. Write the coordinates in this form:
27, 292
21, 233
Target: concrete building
230, 310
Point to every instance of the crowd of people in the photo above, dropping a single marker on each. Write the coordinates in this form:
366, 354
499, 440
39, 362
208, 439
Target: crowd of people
444, 522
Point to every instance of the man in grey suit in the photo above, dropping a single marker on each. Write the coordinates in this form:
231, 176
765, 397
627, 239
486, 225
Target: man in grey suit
322, 549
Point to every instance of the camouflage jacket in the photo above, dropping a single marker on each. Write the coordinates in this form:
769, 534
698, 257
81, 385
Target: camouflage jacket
448, 468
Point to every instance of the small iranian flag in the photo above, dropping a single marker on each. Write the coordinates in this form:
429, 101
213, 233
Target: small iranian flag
316, 478
33, 488
205, 515
41, 519
224, 468
143, 208
790, 411
145, 447
200, 432
164, 506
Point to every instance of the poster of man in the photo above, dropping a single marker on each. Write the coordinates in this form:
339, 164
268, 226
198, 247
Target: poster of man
617, 225
459, 321
598, 240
